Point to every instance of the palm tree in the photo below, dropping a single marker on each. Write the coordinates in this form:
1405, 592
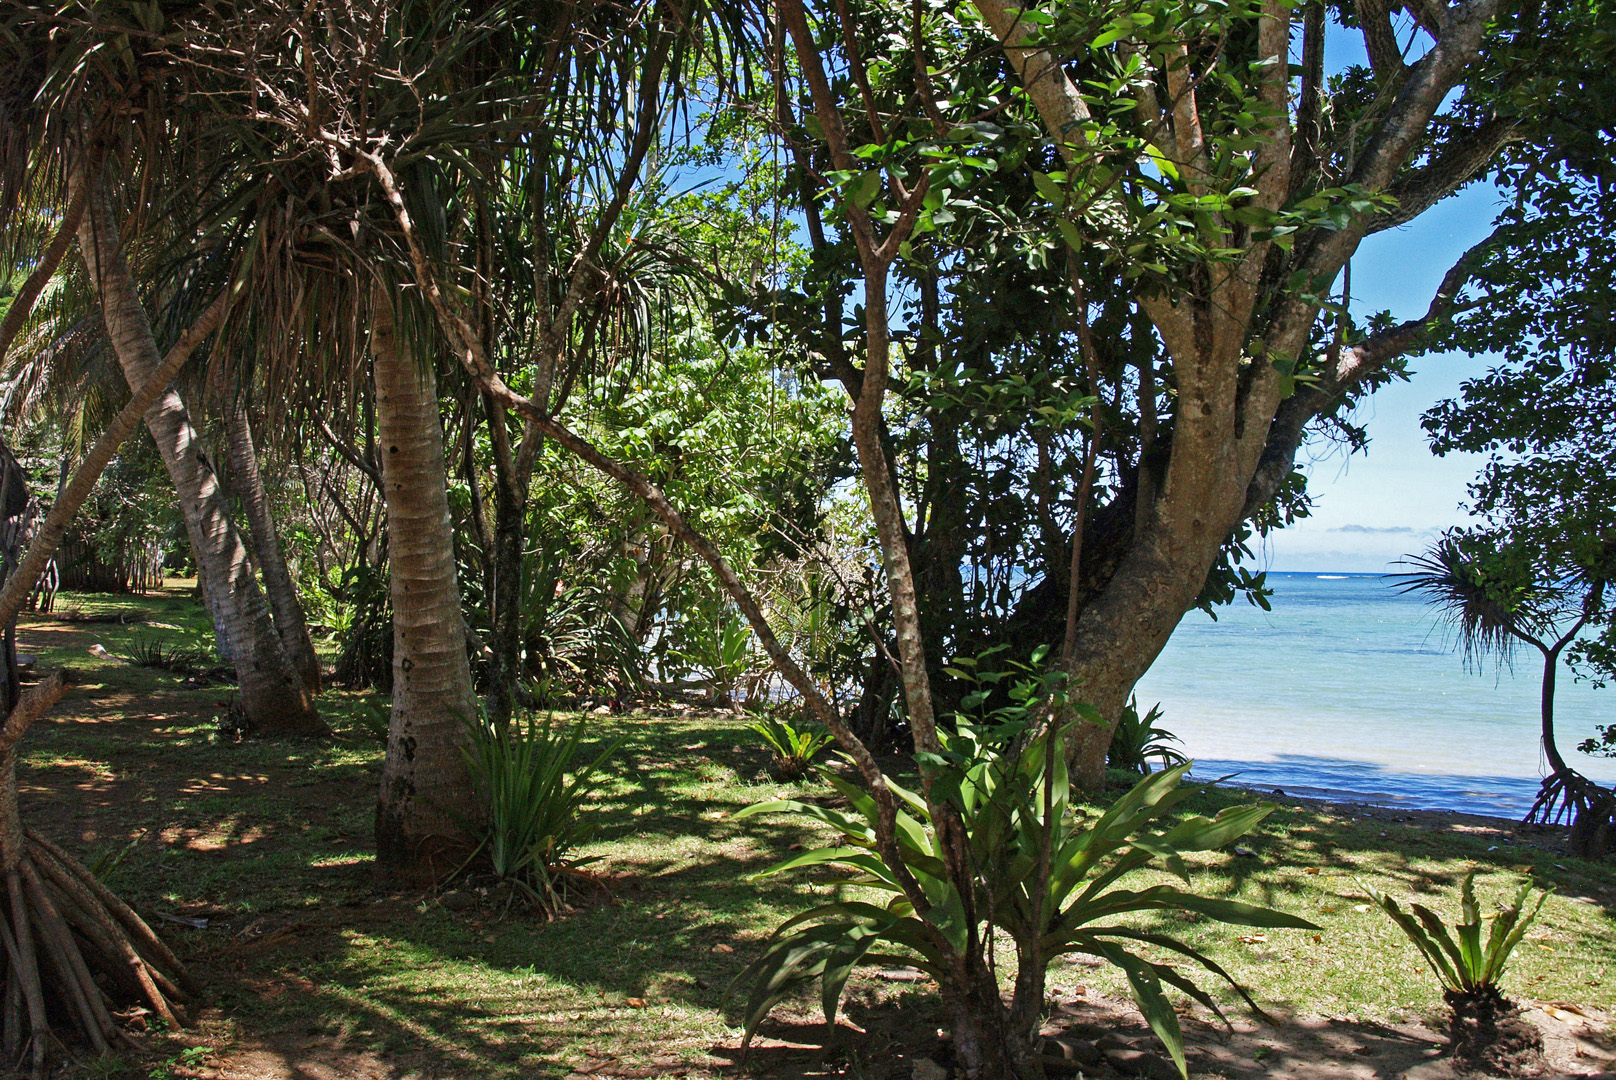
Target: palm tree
1493, 592
279, 587
67, 128
425, 805
272, 694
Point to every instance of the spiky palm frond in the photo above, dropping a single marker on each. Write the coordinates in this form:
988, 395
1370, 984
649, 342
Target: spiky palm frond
1487, 595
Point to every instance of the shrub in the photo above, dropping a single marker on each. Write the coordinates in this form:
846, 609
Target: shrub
535, 810
1466, 965
1487, 1029
793, 748
1042, 873
1137, 740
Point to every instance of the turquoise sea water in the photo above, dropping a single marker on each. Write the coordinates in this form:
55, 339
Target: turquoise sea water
1351, 691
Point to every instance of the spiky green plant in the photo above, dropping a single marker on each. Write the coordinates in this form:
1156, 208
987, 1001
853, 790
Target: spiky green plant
536, 816
1137, 740
793, 748
1054, 891
1467, 966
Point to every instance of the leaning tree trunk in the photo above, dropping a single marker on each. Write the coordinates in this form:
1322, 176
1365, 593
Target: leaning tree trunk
278, 585
53, 909
426, 804
272, 694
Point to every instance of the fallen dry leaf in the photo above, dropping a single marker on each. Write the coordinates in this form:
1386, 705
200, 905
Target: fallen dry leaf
1253, 939
635, 1003
1569, 1015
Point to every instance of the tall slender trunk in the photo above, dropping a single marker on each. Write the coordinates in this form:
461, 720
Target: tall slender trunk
278, 585
426, 804
271, 693
1551, 664
511, 483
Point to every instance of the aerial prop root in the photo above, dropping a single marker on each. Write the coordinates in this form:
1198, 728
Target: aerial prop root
69, 948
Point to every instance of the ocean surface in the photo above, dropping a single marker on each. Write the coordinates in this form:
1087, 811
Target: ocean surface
1349, 690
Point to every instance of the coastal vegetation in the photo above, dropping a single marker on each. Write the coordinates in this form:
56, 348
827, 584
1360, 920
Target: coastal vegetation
511, 376
308, 967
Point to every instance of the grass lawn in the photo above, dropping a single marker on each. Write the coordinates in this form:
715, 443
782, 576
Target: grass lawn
308, 964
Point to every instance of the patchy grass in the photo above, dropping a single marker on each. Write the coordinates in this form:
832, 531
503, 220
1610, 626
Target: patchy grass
270, 841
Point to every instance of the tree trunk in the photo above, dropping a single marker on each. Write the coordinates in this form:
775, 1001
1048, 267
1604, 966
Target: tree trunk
1551, 664
271, 693
511, 481
426, 805
288, 610
985, 1045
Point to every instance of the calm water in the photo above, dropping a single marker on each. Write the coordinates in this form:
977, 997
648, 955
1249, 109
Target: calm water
1350, 690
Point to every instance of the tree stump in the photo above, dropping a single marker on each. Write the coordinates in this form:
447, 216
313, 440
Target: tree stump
71, 949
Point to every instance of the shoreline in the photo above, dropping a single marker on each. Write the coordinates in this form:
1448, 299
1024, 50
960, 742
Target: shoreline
1544, 837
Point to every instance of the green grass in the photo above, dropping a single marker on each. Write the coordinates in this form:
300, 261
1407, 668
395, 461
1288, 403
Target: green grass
270, 840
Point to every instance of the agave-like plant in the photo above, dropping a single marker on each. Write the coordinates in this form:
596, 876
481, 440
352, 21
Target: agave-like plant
793, 748
1491, 590
1055, 892
1137, 740
536, 814
1467, 966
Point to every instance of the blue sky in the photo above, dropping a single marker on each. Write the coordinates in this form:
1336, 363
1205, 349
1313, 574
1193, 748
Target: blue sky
1376, 507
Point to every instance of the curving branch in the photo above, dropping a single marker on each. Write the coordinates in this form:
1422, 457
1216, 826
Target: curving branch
1354, 365
1459, 163
1059, 102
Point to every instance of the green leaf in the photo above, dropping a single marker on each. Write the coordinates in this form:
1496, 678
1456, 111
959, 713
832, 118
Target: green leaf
1153, 1004
1111, 36
1163, 163
864, 188
1049, 188
1069, 232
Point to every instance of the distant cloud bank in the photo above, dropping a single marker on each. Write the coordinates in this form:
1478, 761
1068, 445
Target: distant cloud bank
1375, 530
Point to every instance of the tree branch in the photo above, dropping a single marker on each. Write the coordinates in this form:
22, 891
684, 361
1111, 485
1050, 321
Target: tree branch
1459, 163
1355, 364
1380, 40
1056, 97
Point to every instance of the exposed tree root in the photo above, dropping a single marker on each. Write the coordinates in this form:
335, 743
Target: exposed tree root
1491, 1035
71, 949
1590, 809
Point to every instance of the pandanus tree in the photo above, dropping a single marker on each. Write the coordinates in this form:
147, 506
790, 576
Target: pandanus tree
1500, 590
92, 103
518, 189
